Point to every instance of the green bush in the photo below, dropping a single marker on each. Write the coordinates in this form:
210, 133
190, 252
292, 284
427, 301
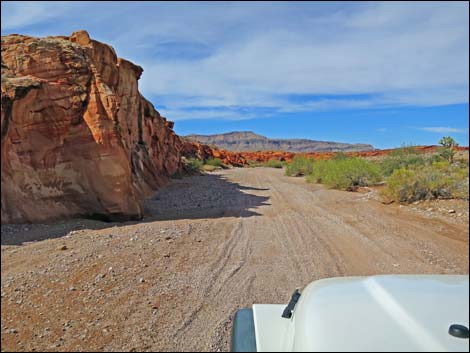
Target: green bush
300, 165
216, 162
436, 180
401, 158
447, 153
273, 163
340, 155
193, 165
345, 173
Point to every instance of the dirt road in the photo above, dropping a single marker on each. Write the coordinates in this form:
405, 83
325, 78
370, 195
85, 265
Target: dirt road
210, 244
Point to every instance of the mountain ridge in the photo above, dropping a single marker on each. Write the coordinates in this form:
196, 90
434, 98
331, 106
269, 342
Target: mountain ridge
251, 141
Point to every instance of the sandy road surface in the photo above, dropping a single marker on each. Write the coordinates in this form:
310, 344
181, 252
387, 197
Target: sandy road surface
210, 244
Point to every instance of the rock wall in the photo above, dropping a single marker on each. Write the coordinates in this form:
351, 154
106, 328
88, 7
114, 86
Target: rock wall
77, 137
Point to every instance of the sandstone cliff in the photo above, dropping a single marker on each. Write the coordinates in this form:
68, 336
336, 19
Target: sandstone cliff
77, 137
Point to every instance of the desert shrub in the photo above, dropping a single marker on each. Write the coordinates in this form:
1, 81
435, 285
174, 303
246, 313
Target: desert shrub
447, 150
216, 162
435, 157
404, 186
340, 155
345, 173
193, 165
401, 158
436, 180
273, 163
209, 168
447, 153
300, 165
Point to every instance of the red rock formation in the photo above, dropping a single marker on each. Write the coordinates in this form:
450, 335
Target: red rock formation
240, 159
197, 150
77, 138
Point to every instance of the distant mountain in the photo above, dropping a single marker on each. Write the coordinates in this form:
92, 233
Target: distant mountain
249, 141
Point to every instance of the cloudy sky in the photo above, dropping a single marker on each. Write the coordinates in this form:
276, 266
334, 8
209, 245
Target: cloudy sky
382, 73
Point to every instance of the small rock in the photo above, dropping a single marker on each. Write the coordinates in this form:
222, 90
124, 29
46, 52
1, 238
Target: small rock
451, 211
12, 330
141, 280
72, 288
63, 247
166, 255
100, 276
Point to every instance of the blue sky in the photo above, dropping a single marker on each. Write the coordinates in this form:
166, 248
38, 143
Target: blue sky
382, 73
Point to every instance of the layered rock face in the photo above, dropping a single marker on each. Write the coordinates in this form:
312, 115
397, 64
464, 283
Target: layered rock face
77, 137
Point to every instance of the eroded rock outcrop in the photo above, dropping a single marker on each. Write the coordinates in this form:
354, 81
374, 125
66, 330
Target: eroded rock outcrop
193, 149
77, 137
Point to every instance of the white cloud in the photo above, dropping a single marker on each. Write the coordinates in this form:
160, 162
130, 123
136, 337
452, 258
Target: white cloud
258, 55
444, 130
404, 54
18, 14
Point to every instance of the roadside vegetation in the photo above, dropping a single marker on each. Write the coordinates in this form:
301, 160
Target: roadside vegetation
299, 166
272, 163
345, 173
214, 162
431, 181
194, 165
407, 174
411, 176
403, 157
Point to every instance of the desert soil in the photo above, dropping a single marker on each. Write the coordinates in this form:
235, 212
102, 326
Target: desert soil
210, 244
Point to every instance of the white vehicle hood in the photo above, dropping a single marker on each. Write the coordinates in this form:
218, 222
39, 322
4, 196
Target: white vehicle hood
378, 313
